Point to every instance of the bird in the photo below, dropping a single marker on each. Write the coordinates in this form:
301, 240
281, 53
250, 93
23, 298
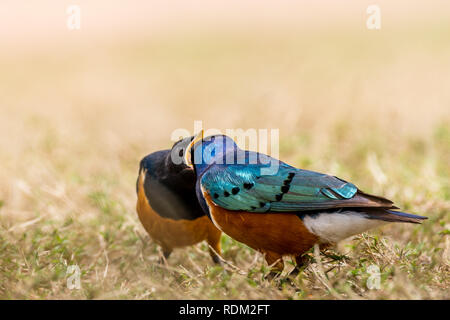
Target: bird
277, 209
167, 205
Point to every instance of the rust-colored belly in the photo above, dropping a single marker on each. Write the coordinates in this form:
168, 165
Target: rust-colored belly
172, 233
282, 233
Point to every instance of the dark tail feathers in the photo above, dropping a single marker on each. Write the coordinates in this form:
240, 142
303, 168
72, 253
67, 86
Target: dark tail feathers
394, 216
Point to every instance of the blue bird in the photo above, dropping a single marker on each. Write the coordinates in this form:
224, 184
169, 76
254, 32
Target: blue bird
276, 208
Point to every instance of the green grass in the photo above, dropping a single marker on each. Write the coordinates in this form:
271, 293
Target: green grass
118, 260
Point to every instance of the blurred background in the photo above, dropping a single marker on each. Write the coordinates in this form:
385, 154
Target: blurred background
80, 108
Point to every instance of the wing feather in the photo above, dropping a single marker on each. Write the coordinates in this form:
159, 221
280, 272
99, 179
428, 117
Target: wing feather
243, 187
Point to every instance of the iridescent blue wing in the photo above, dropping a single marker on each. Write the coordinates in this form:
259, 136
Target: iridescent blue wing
247, 188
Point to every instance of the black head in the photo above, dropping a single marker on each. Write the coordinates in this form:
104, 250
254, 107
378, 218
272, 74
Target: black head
169, 161
170, 184
174, 160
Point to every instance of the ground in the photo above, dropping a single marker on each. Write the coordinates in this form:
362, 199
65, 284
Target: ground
77, 115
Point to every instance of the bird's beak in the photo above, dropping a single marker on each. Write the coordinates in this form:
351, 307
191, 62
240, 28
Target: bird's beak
188, 152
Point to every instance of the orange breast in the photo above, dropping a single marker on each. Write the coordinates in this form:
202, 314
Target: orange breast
167, 232
282, 233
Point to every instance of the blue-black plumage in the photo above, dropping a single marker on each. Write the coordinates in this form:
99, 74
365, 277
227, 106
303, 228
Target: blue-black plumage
167, 204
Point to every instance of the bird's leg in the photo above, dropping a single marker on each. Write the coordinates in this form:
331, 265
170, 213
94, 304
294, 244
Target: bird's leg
215, 256
275, 261
166, 254
214, 246
300, 263
302, 260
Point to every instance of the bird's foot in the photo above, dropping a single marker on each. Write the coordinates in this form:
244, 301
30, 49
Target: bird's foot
165, 255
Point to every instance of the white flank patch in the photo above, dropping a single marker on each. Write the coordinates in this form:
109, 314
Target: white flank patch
334, 227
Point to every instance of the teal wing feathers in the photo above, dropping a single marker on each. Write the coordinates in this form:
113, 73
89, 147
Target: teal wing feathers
243, 187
